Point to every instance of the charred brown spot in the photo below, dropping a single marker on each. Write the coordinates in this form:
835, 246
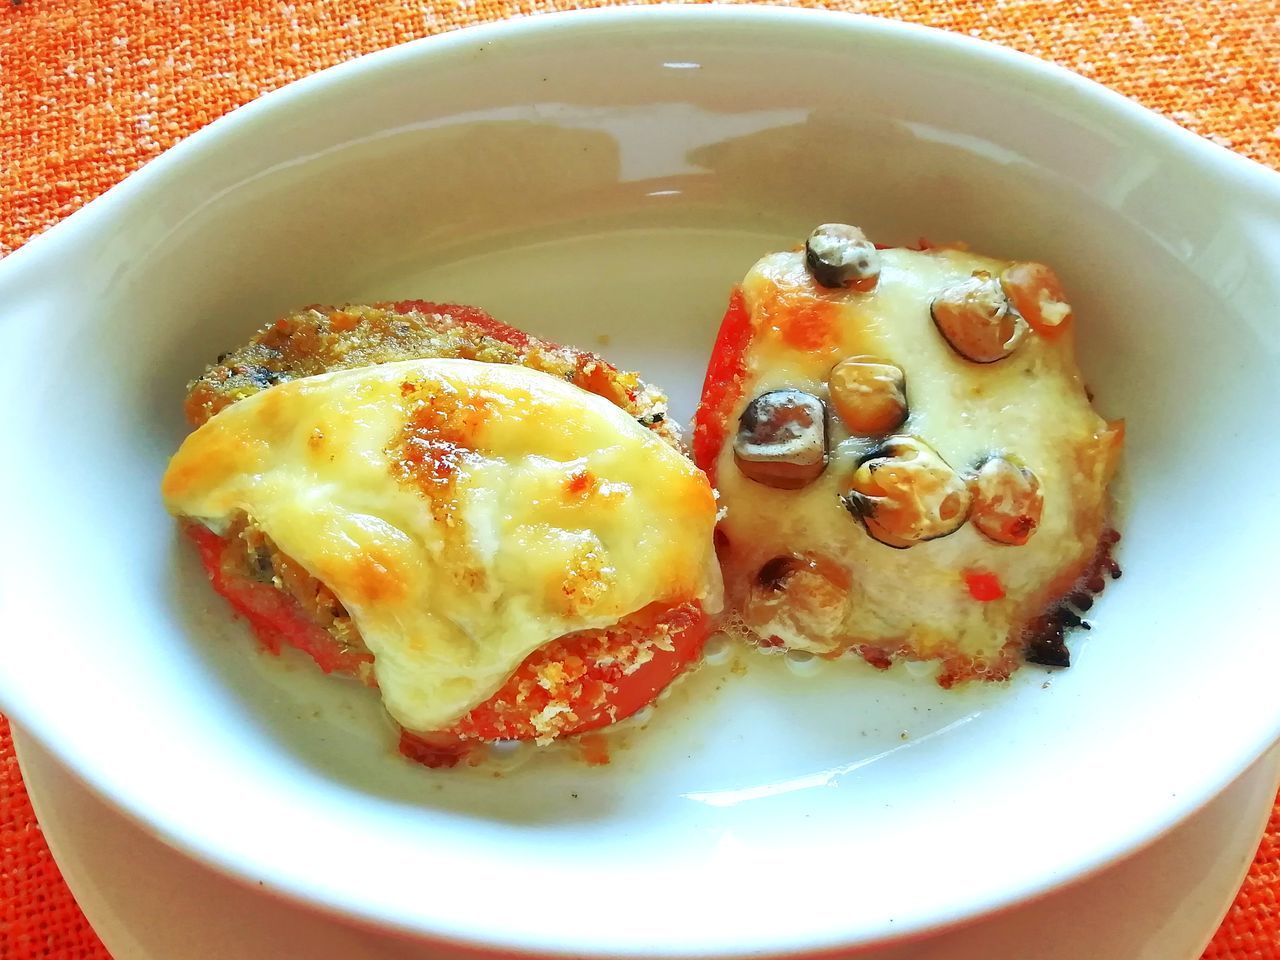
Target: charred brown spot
773, 575
1046, 643
1046, 637
438, 438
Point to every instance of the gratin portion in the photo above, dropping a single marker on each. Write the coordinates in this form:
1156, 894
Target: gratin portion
908, 460
463, 513
460, 491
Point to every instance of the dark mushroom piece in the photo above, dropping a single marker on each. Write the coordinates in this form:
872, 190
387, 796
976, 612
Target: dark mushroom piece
905, 493
839, 255
800, 600
1007, 501
869, 395
977, 320
782, 439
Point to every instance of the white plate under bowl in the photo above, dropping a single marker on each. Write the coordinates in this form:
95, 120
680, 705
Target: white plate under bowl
148, 902
610, 175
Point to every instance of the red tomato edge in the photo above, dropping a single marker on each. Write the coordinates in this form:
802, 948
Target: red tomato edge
722, 385
277, 621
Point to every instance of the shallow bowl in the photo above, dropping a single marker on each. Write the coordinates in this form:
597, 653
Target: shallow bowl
603, 179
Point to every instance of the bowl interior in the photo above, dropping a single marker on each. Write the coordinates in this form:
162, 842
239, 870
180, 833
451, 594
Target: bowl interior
498, 168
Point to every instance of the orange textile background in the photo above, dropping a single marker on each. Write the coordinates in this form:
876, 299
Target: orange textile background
91, 89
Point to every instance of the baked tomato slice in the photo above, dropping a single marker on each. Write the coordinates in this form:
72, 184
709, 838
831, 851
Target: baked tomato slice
277, 618
579, 682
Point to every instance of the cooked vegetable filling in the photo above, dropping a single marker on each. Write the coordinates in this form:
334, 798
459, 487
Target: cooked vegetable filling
507, 540
953, 504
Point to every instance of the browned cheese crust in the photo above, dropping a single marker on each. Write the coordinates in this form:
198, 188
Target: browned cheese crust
321, 339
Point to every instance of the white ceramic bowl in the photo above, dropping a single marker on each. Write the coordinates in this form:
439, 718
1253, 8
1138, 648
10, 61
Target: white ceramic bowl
612, 174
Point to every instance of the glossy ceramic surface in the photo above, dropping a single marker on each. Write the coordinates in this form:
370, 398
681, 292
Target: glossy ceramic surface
148, 902
603, 179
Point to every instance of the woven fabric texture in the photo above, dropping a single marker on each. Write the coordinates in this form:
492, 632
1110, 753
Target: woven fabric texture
92, 89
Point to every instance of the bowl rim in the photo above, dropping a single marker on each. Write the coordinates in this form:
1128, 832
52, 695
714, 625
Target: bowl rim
23, 264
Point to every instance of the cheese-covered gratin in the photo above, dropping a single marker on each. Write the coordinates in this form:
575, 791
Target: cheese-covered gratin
908, 461
502, 551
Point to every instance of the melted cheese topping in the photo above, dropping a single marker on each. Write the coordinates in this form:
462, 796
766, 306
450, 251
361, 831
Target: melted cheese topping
464, 513
1031, 405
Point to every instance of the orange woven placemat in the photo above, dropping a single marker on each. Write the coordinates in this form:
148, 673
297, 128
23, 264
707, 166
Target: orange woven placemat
91, 89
